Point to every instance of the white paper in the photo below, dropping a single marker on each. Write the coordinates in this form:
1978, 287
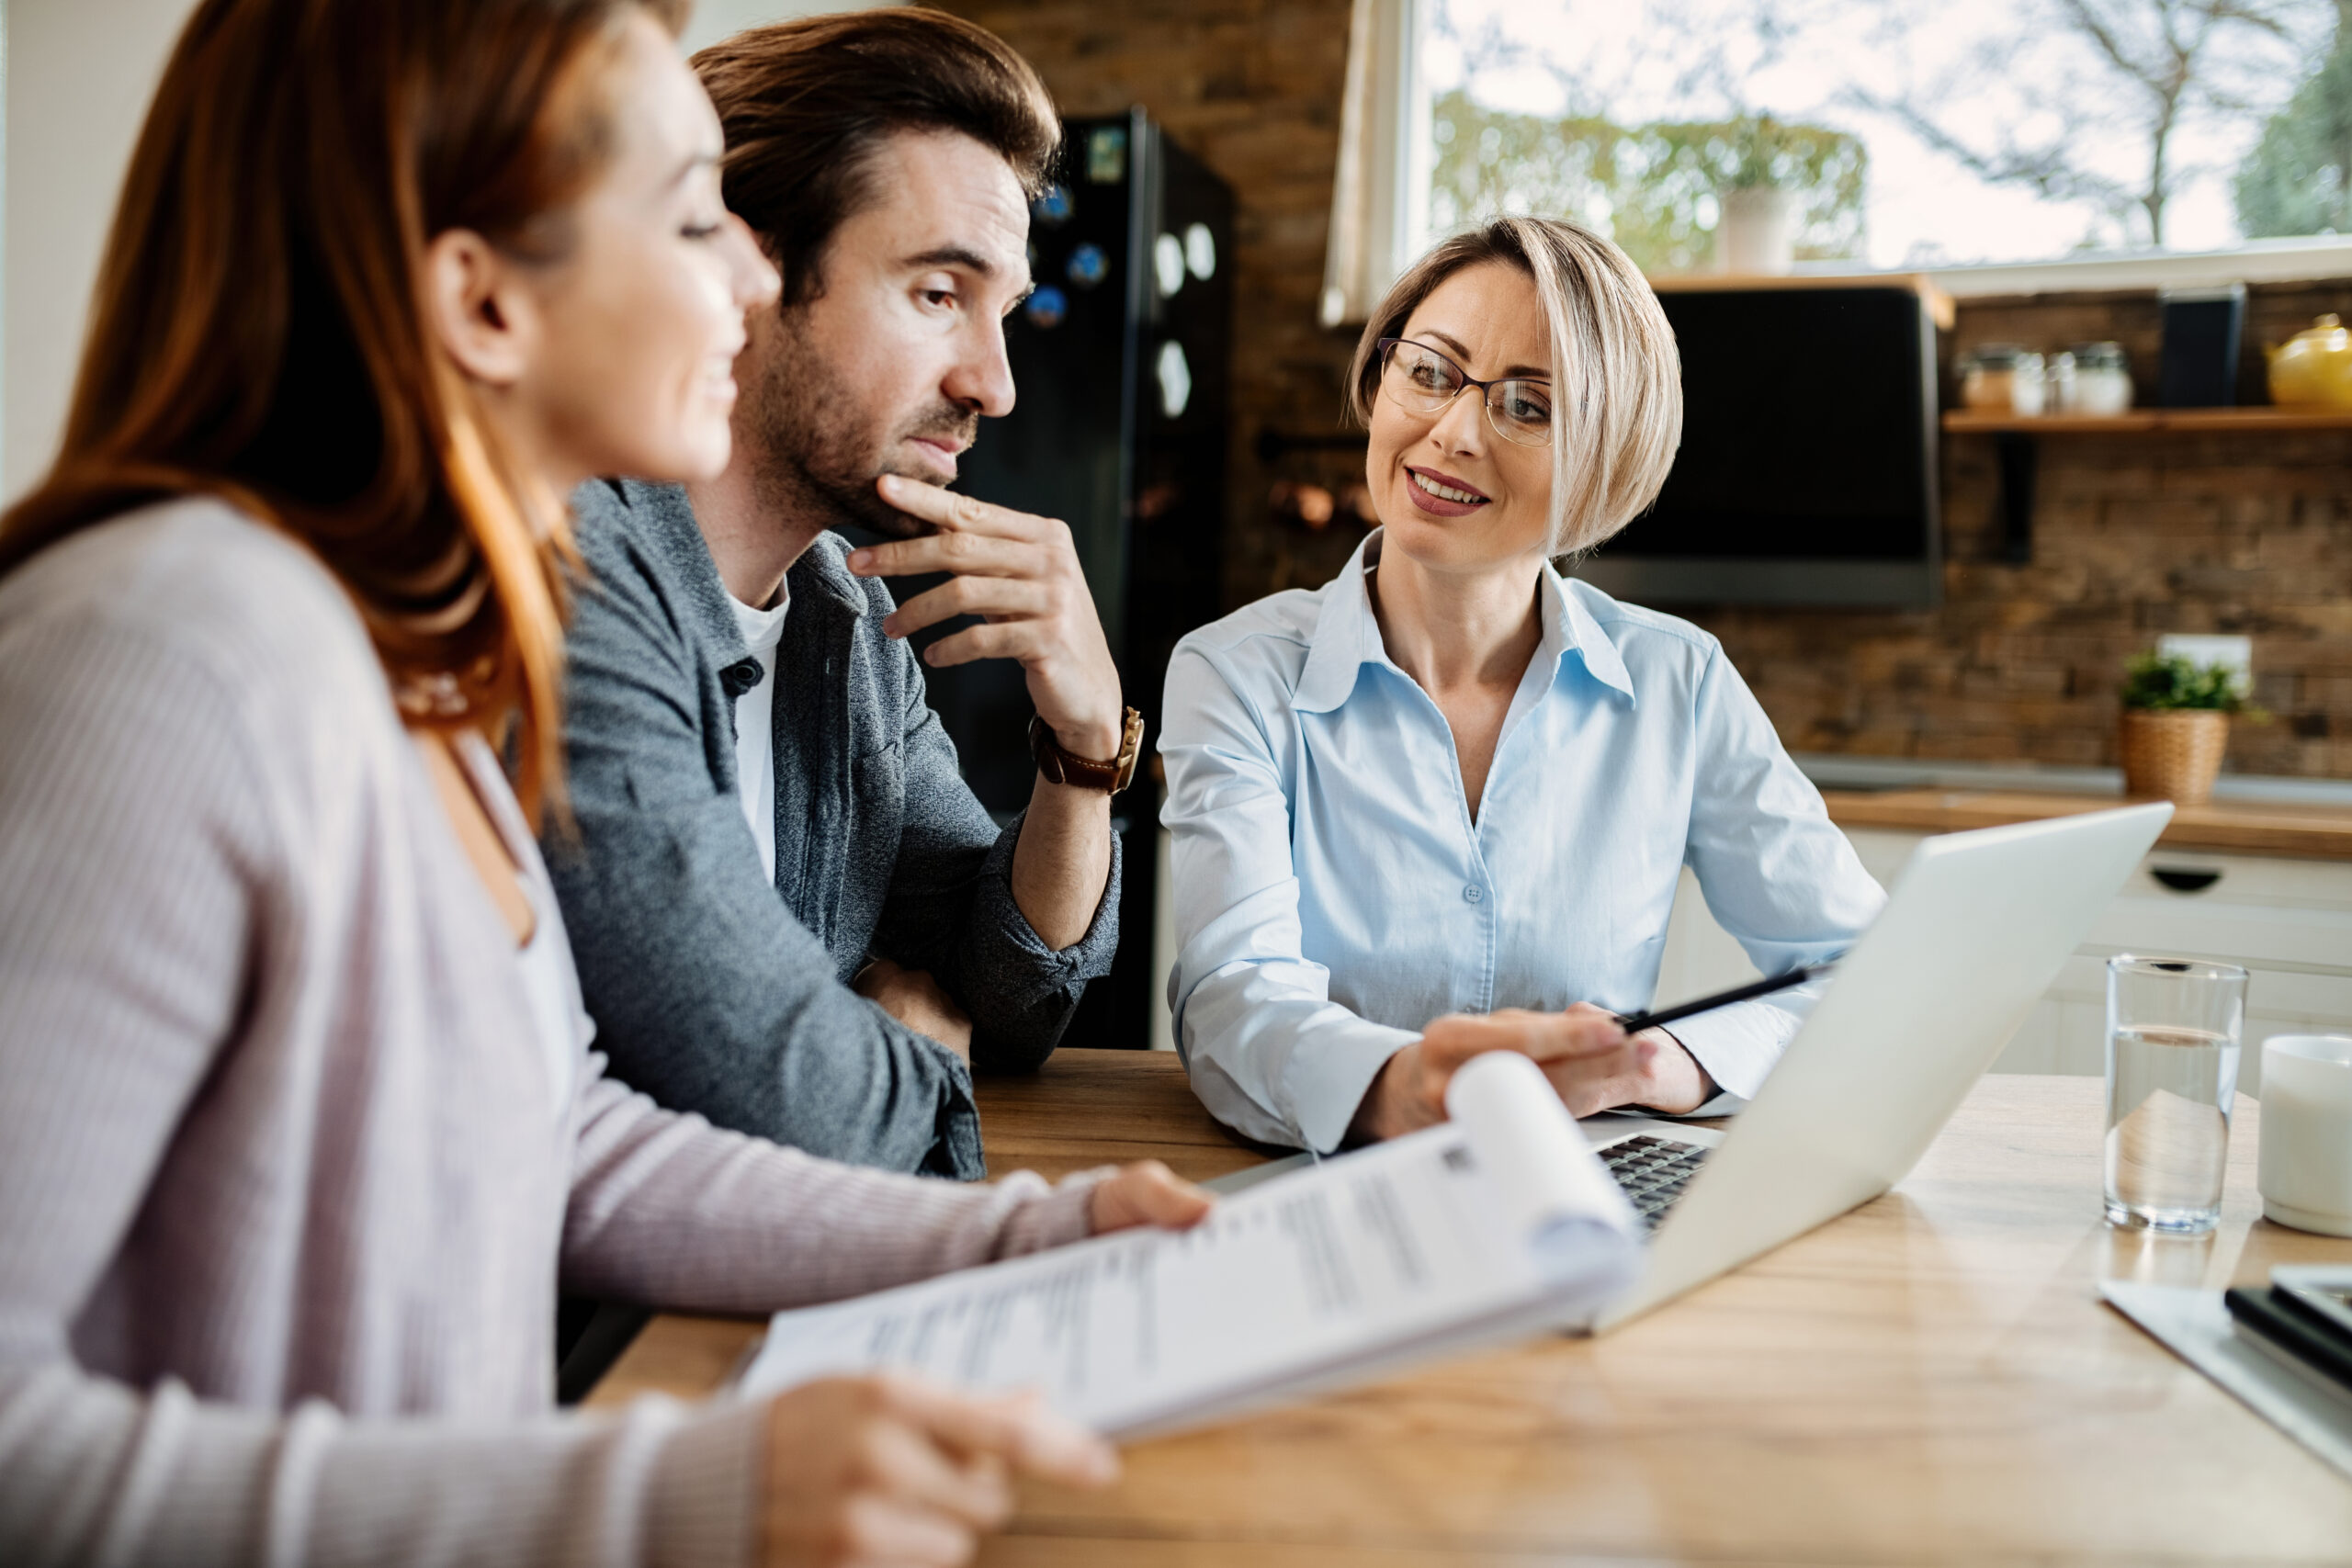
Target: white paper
1404, 1248
1521, 1130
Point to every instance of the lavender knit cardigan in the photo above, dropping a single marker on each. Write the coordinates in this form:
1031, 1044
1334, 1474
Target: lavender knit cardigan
284, 1194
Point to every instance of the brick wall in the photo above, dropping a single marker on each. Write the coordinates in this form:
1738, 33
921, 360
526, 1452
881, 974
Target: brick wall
2134, 535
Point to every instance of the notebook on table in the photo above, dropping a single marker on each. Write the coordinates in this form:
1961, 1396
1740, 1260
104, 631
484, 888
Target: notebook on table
2276, 1378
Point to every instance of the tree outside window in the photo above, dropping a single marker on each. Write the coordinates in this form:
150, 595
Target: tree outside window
1905, 132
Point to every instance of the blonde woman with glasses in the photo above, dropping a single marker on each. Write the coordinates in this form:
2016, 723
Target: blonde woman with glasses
1439, 806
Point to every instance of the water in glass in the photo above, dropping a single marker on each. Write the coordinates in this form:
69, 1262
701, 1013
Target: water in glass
2167, 1131
2172, 1074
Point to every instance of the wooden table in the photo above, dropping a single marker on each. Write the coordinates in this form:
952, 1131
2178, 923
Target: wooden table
1931, 1378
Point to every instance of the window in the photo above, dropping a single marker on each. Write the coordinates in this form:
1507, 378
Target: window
1893, 133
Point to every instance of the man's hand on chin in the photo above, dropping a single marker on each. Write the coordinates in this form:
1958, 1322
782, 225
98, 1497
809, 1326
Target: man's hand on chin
1021, 575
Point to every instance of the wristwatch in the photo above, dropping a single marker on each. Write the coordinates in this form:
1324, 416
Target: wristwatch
1065, 767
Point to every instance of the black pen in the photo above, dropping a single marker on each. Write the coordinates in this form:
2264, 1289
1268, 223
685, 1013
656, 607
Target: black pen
1796, 976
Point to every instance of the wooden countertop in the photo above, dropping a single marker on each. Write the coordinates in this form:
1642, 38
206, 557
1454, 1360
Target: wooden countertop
1929, 1379
1966, 421
2240, 827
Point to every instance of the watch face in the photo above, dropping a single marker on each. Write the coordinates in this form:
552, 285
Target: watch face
1130, 751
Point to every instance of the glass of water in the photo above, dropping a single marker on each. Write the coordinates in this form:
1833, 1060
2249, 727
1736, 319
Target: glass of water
2173, 1028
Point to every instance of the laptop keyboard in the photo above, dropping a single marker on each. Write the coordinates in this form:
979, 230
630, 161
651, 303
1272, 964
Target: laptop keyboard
1653, 1172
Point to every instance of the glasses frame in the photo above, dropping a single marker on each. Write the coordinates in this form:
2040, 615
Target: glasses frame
1388, 347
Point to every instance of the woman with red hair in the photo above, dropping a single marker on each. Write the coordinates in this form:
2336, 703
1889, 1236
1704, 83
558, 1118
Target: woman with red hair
298, 1127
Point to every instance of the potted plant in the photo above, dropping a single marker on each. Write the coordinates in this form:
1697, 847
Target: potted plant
1758, 233
2177, 725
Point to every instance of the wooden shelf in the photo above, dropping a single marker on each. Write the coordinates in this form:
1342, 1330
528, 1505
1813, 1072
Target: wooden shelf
2015, 444
1972, 422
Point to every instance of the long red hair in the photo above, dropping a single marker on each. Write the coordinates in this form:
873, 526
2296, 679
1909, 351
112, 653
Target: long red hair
258, 334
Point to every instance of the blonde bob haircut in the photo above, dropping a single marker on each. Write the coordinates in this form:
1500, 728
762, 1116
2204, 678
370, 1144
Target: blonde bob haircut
1616, 378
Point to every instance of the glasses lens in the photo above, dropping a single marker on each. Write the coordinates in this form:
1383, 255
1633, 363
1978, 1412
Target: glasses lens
1419, 379
1520, 411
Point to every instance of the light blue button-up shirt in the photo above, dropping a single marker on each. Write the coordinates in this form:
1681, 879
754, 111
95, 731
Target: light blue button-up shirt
1333, 894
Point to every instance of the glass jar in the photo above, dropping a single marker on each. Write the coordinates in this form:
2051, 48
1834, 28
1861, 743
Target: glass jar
2002, 377
2093, 378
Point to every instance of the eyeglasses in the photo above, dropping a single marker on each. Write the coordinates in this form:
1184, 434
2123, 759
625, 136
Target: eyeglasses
1421, 381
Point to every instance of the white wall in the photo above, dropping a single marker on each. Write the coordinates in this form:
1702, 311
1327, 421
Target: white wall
716, 20
79, 74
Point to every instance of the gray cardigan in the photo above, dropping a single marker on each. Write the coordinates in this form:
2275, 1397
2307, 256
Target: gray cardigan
287, 1187
712, 991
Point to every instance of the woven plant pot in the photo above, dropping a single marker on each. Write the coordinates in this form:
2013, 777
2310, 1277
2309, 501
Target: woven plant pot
2174, 753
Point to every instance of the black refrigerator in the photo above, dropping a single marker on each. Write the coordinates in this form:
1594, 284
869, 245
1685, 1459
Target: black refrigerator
1121, 368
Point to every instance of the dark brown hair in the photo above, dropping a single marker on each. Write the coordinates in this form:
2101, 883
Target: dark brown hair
1617, 412
258, 332
805, 104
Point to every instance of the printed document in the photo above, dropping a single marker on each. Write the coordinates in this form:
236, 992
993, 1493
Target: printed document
1499, 1224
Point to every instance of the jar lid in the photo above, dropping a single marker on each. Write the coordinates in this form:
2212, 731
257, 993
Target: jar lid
2105, 355
1998, 356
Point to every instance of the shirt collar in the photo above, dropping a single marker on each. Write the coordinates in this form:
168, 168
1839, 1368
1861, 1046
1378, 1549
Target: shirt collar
1347, 637
1579, 632
822, 572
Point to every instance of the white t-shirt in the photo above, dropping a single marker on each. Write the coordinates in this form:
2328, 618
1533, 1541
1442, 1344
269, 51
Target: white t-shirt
755, 724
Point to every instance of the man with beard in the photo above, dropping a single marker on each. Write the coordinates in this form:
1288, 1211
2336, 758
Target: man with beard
789, 911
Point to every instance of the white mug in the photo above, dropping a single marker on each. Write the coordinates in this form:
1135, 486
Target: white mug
2304, 1170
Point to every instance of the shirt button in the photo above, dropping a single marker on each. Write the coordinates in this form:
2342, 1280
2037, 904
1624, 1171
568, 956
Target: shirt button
1473, 893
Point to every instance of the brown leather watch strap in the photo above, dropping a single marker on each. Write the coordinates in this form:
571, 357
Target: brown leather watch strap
1065, 767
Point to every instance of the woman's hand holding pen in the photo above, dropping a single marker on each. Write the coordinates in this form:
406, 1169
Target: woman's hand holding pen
1585, 1053
1651, 1071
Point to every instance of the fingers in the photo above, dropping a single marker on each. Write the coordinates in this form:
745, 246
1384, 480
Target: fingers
991, 596
1583, 1052
960, 514
1022, 574
908, 1465
893, 1470
1669, 1077
1582, 1031
1012, 639
1147, 1193
964, 514
882, 1531
1623, 1060
964, 555
1021, 1430
1586, 1084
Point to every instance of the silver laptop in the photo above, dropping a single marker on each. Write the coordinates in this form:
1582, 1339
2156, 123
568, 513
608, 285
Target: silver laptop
1977, 928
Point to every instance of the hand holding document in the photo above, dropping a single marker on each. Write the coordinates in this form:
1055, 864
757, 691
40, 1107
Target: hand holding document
1496, 1224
